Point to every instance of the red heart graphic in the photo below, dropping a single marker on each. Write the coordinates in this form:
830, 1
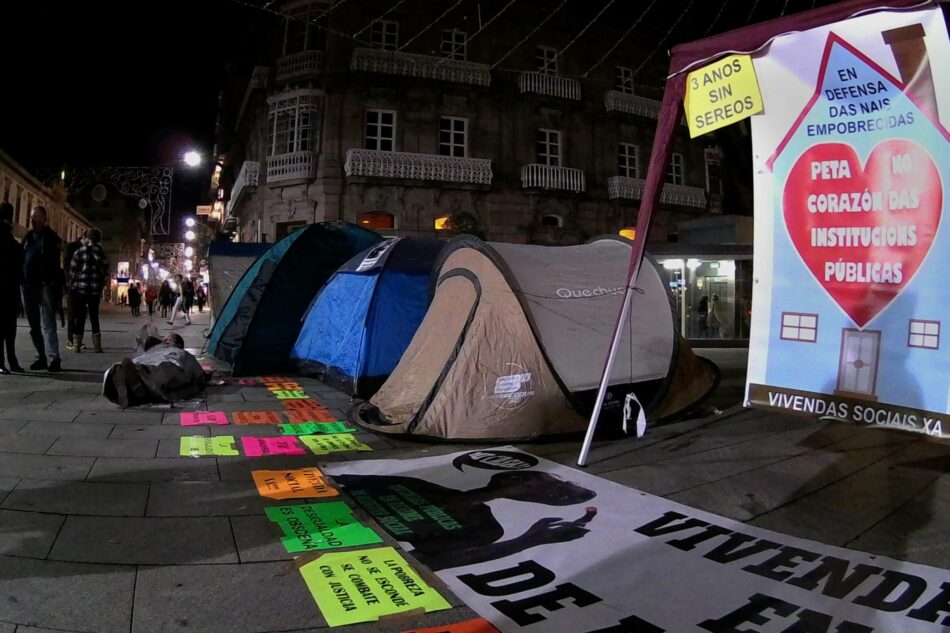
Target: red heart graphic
863, 233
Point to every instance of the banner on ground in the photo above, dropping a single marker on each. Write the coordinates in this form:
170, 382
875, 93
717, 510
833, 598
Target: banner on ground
320, 526
851, 163
534, 546
301, 483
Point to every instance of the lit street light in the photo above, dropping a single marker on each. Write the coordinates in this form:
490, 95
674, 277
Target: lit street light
192, 158
189, 222
190, 235
189, 251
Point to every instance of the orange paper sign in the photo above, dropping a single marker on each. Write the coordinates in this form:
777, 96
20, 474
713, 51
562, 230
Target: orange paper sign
266, 380
279, 386
469, 626
303, 483
300, 405
312, 415
256, 417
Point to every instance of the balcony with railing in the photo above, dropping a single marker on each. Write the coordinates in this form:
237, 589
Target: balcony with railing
295, 166
248, 179
616, 101
537, 176
299, 65
375, 60
550, 85
678, 195
410, 166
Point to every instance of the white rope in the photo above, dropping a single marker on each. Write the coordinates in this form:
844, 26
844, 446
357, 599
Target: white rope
584, 30
429, 25
529, 35
622, 38
660, 44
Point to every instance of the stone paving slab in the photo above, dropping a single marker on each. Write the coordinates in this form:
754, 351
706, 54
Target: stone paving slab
90, 447
248, 598
66, 429
66, 595
206, 498
145, 541
155, 431
7, 484
117, 416
258, 540
29, 534
239, 468
78, 497
27, 414
242, 430
124, 469
45, 466
6, 627
12, 426
30, 444
228, 407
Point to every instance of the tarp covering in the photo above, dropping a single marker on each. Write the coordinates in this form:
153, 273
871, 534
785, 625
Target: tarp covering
513, 343
261, 319
364, 318
227, 263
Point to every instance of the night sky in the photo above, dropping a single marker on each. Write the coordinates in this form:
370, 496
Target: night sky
105, 82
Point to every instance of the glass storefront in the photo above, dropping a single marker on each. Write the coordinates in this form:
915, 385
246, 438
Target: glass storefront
712, 294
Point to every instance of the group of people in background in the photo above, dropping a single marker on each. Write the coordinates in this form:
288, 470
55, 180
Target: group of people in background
178, 298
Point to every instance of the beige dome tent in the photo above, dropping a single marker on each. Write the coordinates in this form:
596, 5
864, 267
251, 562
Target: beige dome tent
514, 342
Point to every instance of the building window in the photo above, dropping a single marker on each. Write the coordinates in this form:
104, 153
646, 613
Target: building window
623, 79
713, 172
453, 133
677, 173
376, 220
548, 147
628, 160
292, 126
552, 220
385, 35
454, 43
799, 327
380, 130
545, 59
442, 223
924, 334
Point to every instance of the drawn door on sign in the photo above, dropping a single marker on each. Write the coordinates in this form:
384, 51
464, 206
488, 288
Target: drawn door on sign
857, 369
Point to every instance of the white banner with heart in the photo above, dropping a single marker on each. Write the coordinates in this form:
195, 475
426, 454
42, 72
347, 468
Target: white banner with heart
852, 252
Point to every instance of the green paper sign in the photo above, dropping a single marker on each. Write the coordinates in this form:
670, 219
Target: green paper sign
314, 428
290, 394
199, 446
334, 443
365, 585
320, 526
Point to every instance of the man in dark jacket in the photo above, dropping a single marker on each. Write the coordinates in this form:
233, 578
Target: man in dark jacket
88, 272
11, 273
42, 281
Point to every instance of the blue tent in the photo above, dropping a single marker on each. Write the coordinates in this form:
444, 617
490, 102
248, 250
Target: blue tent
364, 318
259, 323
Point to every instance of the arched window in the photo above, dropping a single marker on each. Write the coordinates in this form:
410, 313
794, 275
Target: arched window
552, 220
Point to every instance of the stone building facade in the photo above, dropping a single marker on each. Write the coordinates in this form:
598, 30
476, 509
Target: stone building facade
428, 127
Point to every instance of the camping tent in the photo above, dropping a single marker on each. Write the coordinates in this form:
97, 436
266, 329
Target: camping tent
227, 263
364, 318
260, 320
513, 344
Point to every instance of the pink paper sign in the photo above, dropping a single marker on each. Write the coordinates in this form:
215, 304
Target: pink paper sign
194, 418
262, 446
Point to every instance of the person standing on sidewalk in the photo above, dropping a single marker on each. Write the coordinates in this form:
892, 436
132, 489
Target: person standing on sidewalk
68, 251
165, 298
201, 298
180, 301
42, 280
135, 299
88, 271
11, 274
150, 297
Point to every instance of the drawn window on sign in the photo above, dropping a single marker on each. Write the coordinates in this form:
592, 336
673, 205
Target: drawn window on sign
924, 334
857, 369
511, 383
797, 326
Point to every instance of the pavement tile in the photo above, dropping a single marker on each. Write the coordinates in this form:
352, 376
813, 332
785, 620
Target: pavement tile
145, 541
92, 447
239, 468
32, 444
78, 497
66, 596
206, 498
36, 415
242, 430
6, 485
12, 426
124, 469
251, 598
155, 432
6, 627
28, 534
66, 429
258, 540
45, 466
117, 416
409, 622
172, 417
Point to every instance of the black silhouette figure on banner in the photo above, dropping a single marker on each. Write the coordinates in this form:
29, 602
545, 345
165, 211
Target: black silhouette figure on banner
453, 528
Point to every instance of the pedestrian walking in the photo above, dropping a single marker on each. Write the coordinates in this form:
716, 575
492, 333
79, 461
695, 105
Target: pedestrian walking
180, 301
150, 297
11, 274
713, 321
201, 298
165, 298
41, 289
188, 296
135, 299
702, 315
88, 272
68, 251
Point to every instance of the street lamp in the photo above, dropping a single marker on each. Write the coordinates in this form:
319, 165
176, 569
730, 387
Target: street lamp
189, 222
190, 235
192, 158
189, 251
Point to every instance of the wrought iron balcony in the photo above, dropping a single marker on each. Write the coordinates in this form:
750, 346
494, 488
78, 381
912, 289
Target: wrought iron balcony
617, 101
409, 166
550, 85
299, 65
296, 166
248, 178
375, 60
549, 177
679, 195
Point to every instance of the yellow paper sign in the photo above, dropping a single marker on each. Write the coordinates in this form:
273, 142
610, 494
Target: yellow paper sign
365, 585
720, 94
303, 483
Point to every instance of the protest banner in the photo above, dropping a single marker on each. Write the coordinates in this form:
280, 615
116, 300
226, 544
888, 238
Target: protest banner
199, 446
333, 443
304, 416
263, 446
315, 428
301, 483
256, 417
320, 526
477, 625
195, 418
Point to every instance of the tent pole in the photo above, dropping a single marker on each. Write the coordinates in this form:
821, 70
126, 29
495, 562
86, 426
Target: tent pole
608, 370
